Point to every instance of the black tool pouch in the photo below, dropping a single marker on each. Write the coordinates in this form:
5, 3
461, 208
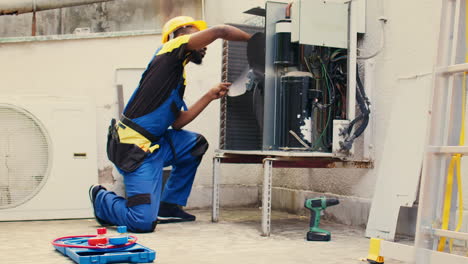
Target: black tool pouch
127, 157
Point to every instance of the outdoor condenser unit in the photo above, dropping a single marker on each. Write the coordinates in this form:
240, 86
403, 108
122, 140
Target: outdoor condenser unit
47, 157
301, 83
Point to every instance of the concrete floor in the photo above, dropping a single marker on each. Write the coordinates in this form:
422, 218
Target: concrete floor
235, 239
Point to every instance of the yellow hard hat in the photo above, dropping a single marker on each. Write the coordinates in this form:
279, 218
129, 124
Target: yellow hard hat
178, 22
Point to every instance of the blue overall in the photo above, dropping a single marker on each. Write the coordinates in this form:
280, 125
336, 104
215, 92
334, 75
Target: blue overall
181, 149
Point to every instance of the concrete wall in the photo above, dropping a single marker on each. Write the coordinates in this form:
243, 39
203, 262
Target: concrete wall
118, 15
126, 15
87, 67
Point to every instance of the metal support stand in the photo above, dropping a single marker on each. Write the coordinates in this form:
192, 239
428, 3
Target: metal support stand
266, 201
216, 171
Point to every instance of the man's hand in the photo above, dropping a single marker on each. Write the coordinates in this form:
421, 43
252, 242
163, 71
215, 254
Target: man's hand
218, 91
214, 93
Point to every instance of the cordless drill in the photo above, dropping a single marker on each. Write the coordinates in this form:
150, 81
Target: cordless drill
316, 205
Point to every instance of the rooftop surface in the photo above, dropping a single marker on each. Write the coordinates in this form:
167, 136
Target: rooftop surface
235, 239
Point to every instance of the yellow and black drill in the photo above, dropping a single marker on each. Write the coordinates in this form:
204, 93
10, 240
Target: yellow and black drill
316, 205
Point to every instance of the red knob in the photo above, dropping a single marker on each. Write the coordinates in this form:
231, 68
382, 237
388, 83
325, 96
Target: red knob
102, 231
96, 241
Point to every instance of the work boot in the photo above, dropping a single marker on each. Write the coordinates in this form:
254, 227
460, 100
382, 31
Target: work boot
173, 213
93, 192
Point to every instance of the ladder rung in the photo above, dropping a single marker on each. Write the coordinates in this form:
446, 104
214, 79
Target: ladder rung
463, 150
451, 234
456, 68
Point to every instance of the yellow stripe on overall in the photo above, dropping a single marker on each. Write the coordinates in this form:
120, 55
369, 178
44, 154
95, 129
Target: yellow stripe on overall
129, 136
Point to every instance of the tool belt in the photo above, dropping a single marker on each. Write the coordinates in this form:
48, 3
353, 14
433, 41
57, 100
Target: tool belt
128, 144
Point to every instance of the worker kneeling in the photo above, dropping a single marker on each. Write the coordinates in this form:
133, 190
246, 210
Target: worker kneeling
141, 143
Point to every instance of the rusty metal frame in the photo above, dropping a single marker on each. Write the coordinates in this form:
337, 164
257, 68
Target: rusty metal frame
269, 162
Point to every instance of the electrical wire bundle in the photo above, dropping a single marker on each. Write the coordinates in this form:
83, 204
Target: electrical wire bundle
328, 68
363, 118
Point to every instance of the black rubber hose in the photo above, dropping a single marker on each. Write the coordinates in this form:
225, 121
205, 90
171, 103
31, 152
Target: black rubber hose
363, 103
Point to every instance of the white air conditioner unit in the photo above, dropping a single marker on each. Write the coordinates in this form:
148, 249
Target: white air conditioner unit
47, 157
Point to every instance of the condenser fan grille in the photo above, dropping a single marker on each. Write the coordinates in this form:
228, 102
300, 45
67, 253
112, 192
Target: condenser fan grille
24, 156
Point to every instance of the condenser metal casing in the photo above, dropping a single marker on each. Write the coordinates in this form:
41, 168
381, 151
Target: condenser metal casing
48, 157
324, 22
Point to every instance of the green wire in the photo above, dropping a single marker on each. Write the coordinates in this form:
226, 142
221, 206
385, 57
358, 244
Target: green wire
320, 139
329, 109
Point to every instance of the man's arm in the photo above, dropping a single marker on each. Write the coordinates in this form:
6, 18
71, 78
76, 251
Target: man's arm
186, 117
203, 38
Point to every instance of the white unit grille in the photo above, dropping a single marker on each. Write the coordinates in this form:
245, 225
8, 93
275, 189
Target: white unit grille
24, 156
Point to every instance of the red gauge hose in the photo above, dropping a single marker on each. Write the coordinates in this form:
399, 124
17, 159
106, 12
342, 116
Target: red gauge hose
62, 242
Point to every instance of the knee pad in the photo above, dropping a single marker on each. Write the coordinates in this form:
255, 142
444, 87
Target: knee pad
141, 222
200, 147
144, 227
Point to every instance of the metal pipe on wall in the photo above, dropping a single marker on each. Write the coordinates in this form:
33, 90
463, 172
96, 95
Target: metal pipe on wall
17, 7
